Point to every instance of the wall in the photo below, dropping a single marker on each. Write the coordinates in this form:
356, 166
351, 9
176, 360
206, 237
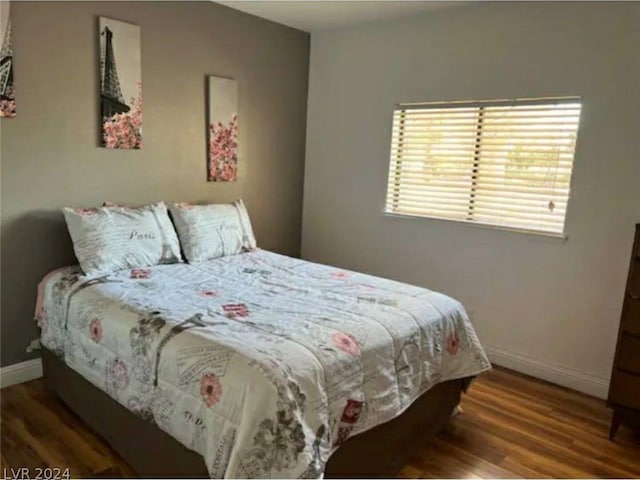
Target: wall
541, 305
50, 154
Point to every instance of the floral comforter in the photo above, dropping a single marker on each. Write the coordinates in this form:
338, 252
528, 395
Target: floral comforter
262, 363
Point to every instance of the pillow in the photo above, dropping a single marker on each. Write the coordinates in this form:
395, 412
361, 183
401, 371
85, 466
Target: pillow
164, 222
212, 231
109, 239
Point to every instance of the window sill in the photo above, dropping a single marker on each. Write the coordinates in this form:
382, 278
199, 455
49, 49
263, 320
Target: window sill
557, 236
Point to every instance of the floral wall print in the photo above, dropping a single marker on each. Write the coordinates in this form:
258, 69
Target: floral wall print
7, 98
120, 85
223, 129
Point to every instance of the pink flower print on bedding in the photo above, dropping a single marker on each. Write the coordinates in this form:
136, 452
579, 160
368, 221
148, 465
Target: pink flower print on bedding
140, 273
346, 343
233, 310
95, 329
453, 343
210, 389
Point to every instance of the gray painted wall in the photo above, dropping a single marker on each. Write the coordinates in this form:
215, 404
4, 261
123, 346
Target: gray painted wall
50, 153
550, 306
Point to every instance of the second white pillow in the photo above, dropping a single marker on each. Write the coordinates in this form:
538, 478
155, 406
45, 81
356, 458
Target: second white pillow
212, 231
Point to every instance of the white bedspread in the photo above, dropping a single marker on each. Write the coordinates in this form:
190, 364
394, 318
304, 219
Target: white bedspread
262, 363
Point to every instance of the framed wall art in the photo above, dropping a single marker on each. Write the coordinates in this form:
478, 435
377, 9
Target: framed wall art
7, 96
120, 84
223, 129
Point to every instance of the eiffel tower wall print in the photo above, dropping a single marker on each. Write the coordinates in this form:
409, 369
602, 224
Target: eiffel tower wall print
7, 98
223, 129
120, 85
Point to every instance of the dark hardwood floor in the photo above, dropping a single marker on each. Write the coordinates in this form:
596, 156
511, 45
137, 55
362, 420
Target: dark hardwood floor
511, 426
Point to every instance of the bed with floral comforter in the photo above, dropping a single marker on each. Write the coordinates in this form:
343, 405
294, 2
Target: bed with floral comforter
261, 363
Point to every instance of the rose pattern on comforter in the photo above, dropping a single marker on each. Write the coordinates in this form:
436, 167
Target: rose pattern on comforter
262, 363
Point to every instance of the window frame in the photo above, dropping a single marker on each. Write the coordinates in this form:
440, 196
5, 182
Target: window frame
480, 104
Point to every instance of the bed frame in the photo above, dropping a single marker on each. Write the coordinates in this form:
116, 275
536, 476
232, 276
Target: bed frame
379, 452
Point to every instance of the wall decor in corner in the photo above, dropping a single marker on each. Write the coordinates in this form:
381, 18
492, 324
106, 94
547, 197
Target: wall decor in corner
223, 129
120, 84
7, 98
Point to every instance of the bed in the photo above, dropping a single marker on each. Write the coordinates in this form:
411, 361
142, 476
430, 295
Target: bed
256, 365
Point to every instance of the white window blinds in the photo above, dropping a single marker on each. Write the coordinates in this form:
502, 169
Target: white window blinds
502, 163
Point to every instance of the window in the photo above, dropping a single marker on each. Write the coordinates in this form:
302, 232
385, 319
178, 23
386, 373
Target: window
502, 163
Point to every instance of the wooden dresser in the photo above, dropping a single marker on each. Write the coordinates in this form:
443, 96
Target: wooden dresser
624, 391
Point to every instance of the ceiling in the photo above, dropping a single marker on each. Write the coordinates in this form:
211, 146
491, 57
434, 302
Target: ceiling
322, 15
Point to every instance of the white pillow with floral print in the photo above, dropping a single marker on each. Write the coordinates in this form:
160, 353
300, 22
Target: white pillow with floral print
212, 231
109, 239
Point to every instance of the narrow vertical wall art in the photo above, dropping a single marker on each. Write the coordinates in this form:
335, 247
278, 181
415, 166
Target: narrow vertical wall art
223, 129
7, 97
120, 85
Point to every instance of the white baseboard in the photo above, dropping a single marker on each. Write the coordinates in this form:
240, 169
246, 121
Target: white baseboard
20, 372
549, 371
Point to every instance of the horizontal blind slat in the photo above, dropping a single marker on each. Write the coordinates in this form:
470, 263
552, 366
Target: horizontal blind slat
484, 186
452, 149
433, 199
489, 111
516, 124
559, 198
420, 172
525, 205
420, 207
434, 212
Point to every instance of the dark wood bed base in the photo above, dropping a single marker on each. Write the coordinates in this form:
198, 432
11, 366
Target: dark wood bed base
379, 452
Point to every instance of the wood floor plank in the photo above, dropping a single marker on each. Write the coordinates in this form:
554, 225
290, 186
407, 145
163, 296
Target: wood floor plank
519, 469
522, 449
511, 426
483, 467
72, 442
409, 471
540, 442
39, 431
